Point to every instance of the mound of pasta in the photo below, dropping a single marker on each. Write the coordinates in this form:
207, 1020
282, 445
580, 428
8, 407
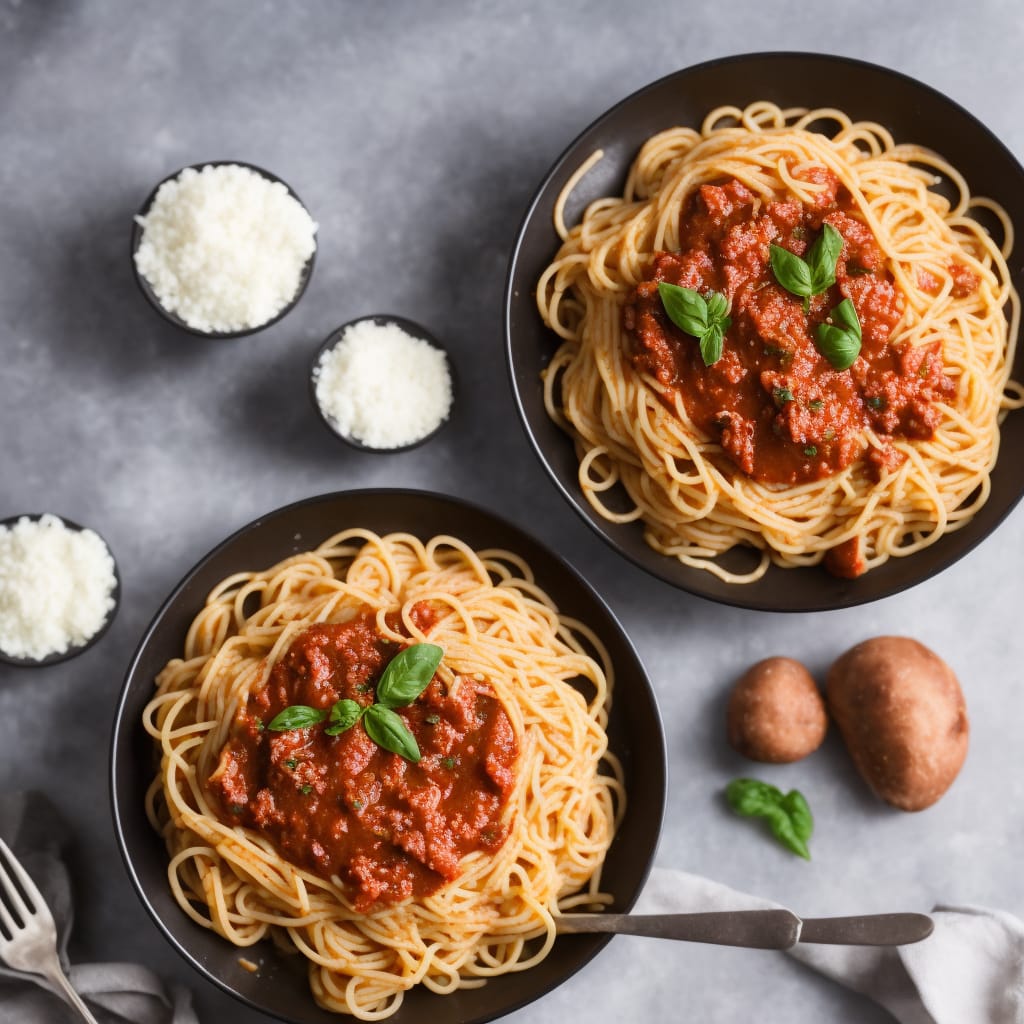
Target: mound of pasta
390, 756
783, 337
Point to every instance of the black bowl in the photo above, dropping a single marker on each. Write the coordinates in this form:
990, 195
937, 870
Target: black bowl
280, 987
151, 297
71, 652
914, 113
411, 328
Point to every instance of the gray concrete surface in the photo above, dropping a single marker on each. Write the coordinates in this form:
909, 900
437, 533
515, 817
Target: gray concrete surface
416, 134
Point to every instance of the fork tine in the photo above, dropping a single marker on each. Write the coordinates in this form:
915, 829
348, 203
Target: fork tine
10, 866
6, 923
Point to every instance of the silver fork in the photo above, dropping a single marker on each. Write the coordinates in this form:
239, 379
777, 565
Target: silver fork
28, 935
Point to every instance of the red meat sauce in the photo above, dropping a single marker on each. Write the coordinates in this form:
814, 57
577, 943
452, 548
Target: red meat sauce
341, 806
781, 412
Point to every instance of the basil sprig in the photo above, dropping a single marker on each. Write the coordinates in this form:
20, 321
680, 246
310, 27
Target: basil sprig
787, 814
839, 341
406, 676
815, 273
703, 317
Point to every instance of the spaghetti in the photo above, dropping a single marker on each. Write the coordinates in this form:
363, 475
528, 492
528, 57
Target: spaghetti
904, 474
502, 636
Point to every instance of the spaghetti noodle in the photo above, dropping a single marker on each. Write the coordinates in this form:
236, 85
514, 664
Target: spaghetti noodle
638, 426
499, 631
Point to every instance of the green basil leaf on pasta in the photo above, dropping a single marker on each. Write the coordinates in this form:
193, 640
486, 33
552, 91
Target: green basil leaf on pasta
387, 730
822, 258
408, 674
845, 316
686, 308
711, 343
344, 715
839, 342
718, 306
790, 271
296, 716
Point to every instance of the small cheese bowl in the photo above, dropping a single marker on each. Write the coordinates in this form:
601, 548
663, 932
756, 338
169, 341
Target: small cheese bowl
138, 231
115, 594
413, 332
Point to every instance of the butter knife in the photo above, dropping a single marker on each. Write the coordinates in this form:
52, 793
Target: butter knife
757, 929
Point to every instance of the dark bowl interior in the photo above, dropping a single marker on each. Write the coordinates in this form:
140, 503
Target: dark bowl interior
280, 986
411, 328
71, 652
173, 318
913, 112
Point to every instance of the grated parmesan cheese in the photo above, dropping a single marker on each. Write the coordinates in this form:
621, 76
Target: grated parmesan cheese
56, 587
383, 387
224, 248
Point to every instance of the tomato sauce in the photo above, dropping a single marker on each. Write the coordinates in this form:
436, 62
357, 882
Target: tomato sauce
341, 806
775, 403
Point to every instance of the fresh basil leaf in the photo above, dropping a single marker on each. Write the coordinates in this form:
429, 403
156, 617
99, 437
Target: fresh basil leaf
811, 450
785, 832
686, 308
838, 345
408, 674
387, 730
789, 816
751, 798
795, 805
296, 716
845, 315
822, 258
711, 342
782, 395
718, 306
344, 715
790, 271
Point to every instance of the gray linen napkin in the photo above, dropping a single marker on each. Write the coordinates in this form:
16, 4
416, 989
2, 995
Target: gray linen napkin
970, 970
116, 993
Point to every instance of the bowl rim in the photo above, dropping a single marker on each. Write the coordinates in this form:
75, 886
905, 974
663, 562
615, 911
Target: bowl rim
71, 652
172, 318
410, 327
665, 567
122, 728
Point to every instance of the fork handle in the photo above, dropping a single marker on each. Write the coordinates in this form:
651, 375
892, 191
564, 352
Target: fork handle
64, 988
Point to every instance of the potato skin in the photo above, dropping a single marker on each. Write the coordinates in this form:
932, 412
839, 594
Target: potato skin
902, 715
775, 712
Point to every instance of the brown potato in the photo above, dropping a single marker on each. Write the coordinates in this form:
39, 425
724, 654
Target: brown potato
775, 712
902, 715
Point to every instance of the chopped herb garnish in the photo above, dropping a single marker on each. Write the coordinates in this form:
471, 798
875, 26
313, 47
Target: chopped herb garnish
357, 805
432, 719
782, 396
448, 762
259, 724
306, 790
237, 808
800, 233
830, 434
291, 763
856, 271
816, 405
876, 402
810, 451
780, 353
363, 688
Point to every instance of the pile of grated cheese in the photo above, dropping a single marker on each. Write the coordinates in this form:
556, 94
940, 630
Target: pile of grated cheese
56, 587
383, 387
224, 248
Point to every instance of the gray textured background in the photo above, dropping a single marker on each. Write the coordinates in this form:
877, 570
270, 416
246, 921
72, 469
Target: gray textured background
416, 133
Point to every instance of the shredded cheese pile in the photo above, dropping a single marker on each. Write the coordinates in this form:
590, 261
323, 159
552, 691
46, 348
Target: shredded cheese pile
56, 587
224, 248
